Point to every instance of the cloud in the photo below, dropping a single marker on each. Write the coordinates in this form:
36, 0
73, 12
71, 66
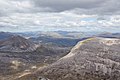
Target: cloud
60, 21
101, 7
81, 15
62, 5
83, 6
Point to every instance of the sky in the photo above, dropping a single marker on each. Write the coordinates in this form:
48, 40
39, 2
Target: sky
64, 15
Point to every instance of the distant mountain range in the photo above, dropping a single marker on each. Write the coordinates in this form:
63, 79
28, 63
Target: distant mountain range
5, 35
59, 38
58, 34
55, 41
110, 35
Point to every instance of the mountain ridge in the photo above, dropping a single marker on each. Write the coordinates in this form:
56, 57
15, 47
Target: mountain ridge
91, 59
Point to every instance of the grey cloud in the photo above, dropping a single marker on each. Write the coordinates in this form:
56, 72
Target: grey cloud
63, 5
102, 7
84, 6
65, 14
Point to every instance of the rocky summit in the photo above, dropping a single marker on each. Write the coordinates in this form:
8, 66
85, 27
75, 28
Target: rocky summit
16, 44
91, 59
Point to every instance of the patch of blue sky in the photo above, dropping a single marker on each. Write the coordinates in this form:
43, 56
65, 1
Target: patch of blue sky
89, 19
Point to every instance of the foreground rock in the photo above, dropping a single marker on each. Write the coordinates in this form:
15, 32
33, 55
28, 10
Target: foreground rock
91, 59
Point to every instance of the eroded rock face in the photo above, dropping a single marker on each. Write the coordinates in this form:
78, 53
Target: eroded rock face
91, 59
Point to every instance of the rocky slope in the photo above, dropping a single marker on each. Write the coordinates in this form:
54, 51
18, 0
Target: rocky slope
17, 44
91, 59
17, 64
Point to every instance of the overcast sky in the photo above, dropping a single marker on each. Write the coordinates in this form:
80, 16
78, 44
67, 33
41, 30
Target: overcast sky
67, 15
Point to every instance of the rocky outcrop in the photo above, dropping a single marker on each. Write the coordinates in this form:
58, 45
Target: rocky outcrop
91, 59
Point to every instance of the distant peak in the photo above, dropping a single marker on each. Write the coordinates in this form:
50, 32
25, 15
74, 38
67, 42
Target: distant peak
17, 37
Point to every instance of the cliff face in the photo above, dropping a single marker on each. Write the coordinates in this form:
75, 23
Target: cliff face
91, 59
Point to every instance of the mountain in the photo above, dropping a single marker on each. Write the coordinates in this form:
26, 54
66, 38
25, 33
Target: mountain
110, 35
91, 59
17, 44
55, 41
5, 35
62, 38
61, 34
15, 64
